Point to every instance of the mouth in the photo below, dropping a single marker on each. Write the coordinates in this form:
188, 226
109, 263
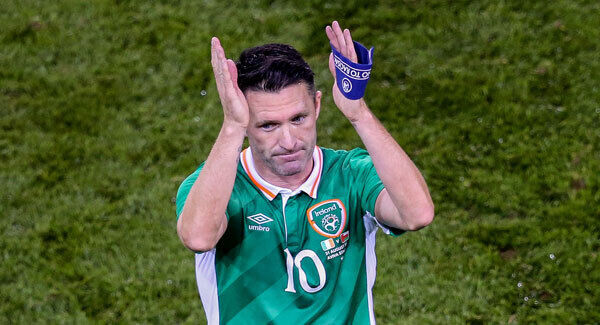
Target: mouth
291, 156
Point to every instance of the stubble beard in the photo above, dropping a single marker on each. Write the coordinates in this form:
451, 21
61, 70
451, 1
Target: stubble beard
285, 169
289, 168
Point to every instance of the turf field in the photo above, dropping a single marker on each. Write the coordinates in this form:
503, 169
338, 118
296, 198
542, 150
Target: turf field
105, 107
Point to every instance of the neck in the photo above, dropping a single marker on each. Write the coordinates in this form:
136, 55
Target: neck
291, 182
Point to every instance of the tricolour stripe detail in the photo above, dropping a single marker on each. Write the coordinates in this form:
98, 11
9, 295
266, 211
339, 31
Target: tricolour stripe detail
262, 188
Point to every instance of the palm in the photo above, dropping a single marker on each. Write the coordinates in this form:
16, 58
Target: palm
348, 107
342, 41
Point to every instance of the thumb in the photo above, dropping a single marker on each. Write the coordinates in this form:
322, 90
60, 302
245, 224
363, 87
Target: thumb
331, 65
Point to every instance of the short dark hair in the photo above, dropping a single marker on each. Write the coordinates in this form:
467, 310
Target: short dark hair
272, 67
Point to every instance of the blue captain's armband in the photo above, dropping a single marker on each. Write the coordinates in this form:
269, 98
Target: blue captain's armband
352, 78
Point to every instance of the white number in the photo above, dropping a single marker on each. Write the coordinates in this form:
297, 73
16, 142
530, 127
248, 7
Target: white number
291, 261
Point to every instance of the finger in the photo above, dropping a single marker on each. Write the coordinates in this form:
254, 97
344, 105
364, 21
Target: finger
225, 76
223, 65
222, 73
216, 64
332, 38
216, 59
233, 74
351, 51
339, 35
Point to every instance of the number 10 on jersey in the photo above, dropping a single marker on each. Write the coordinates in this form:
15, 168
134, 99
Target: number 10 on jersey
292, 261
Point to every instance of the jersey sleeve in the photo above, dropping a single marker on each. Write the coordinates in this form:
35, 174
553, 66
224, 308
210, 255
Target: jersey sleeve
369, 186
233, 207
184, 190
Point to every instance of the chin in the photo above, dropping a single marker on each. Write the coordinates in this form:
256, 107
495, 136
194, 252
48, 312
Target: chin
291, 168
289, 171
285, 168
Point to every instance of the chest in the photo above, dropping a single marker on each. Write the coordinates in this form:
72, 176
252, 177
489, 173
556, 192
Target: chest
325, 224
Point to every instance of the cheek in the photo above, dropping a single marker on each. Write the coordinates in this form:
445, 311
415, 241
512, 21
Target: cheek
262, 140
253, 139
308, 131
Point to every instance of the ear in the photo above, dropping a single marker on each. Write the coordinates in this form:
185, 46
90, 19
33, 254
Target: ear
317, 104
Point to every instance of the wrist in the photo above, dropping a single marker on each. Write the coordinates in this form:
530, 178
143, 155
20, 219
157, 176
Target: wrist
361, 114
233, 129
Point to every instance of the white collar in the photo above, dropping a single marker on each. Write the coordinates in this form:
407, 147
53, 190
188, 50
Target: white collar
310, 186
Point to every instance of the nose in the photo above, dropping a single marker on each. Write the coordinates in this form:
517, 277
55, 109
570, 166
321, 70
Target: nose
287, 140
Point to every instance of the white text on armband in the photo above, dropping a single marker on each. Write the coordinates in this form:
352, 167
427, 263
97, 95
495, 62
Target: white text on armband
357, 74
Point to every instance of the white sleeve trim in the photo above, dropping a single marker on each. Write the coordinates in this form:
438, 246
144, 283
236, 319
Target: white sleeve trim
383, 227
206, 278
371, 259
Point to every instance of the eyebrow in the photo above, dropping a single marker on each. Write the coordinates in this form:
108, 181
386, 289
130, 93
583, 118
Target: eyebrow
301, 113
263, 122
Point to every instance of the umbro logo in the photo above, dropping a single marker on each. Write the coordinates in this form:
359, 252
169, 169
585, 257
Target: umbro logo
259, 219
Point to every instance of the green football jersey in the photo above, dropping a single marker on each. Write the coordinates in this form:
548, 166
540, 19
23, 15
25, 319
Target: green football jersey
295, 257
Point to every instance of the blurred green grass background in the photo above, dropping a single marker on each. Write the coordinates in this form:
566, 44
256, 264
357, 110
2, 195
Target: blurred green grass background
105, 107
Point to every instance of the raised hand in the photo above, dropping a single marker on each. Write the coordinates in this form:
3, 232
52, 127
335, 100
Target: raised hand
342, 41
235, 107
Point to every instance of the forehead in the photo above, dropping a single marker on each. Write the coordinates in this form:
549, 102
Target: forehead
288, 101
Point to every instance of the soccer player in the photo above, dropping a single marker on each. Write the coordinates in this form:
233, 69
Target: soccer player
284, 231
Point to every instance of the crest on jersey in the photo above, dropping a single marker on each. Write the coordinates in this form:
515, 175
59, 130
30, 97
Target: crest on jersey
327, 218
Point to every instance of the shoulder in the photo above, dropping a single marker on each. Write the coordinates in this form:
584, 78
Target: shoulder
240, 185
184, 189
189, 180
346, 159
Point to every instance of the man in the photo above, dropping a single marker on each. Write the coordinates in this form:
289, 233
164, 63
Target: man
284, 230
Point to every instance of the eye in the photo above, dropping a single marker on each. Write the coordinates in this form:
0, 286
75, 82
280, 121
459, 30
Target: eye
299, 119
267, 126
